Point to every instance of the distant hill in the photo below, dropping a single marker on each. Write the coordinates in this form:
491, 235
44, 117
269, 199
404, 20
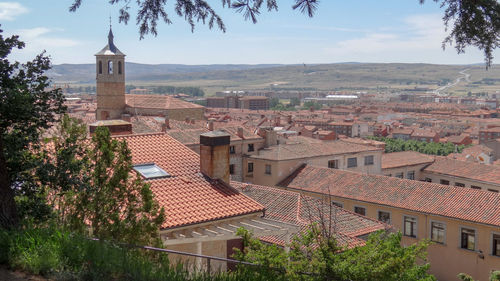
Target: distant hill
348, 76
85, 73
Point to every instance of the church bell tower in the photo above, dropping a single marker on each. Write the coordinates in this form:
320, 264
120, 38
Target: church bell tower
110, 80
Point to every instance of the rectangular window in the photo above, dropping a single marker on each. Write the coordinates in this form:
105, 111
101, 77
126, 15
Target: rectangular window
360, 210
475, 187
369, 160
468, 239
410, 226
496, 245
399, 175
445, 182
352, 162
493, 190
459, 184
338, 204
250, 167
384, 216
410, 175
268, 169
250, 147
428, 180
334, 164
232, 150
437, 232
231, 169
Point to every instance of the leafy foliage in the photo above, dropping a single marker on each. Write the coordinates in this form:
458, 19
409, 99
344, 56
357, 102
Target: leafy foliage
314, 256
432, 148
26, 109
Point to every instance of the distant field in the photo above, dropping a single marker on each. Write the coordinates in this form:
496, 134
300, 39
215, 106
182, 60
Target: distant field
329, 77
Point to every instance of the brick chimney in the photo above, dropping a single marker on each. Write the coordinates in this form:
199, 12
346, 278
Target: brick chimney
214, 155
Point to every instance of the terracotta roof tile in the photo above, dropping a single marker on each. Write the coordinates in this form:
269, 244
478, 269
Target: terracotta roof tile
188, 196
443, 200
158, 101
463, 169
405, 158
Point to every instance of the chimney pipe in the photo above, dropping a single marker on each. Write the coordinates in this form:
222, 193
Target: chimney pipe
240, 132
214, 155
211, 125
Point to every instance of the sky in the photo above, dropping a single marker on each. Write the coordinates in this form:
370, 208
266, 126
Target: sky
341, 31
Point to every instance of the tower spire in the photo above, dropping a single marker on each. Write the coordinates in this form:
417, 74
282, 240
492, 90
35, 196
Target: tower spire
111, 45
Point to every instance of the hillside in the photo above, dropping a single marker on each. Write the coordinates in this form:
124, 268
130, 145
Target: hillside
342, 76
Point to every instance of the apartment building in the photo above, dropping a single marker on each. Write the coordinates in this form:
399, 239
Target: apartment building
242, 102
405, 164
463, 223
488, 134
272, 164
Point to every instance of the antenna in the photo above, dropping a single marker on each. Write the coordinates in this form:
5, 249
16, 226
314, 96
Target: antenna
109, 21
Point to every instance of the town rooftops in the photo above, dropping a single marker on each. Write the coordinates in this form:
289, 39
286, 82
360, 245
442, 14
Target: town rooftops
465, 169
298, 209
158, 101
405, 158
423, 133
187, 196
303, 147
402, 131
442, 200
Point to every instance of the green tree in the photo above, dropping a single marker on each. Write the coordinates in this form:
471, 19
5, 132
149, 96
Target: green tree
471, 23
494, 276
27, 108
117, 205
381, 259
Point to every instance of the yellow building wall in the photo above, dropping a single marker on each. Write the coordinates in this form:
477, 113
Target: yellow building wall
448, 259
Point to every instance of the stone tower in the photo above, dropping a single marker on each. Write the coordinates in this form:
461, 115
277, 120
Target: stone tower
110, 80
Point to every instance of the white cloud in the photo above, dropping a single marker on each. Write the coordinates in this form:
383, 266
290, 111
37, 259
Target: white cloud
10, 10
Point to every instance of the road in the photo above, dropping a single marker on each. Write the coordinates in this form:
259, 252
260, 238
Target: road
466, 77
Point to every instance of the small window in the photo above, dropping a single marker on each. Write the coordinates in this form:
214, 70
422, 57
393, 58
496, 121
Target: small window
428, 180
333, 164
445, 182
119, 67
410, 227
110, 67
468, 239
493, 190
338, 204
399, 175
151, 171
475, 187
231, 169
360, 210
459, 184
369, 160
250, 168
410, 175
352, 162
250, 147
268, 169
437, 232
496, 245
384, 216
100, 67
232, 150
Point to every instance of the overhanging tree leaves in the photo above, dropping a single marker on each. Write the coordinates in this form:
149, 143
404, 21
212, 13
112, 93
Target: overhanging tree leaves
471, 22
27, 108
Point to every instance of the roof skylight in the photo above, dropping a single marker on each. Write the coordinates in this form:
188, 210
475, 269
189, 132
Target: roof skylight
151, 171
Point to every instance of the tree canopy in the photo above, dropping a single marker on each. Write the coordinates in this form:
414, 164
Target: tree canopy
469, 22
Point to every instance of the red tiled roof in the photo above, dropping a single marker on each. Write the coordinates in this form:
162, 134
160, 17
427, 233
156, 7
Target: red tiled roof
187, 196
423, 133
463, 169
404, 158
158, 101
303, 147
295, 208
450, 201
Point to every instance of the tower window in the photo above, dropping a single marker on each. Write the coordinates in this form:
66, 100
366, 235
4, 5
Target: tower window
100, 67
110, 67
119, 67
